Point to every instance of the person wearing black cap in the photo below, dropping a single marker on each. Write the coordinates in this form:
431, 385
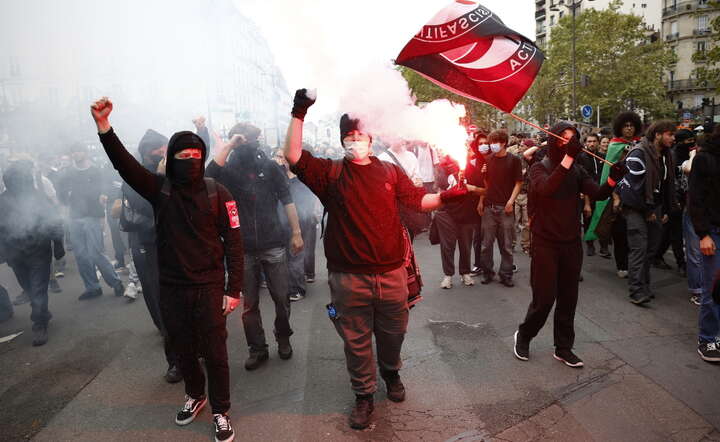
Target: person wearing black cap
198, 239
136, 218
556, 183
366, 250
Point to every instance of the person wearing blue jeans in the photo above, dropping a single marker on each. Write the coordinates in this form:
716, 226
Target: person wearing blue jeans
704, 210
694, 260
81, 189
87, 239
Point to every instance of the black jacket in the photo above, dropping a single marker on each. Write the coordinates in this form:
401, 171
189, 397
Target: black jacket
703, 192
650, 183
80, 190
193, 243
257, 184
29, 221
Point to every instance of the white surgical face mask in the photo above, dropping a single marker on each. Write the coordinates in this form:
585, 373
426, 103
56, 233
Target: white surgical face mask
357, 150
495, 148
484, 149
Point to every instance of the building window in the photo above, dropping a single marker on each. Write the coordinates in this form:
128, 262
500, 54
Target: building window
703, 23
701, 46
552, 20
673, 27
699, 100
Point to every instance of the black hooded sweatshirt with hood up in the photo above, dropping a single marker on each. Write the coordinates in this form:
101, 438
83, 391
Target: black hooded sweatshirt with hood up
556, 191
29, 221
192, 241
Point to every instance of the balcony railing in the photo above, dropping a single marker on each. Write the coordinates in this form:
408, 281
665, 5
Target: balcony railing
689, 84
684, 7
704, 31
671, 37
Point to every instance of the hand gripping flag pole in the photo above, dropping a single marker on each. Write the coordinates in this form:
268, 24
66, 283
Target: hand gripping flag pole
467, 50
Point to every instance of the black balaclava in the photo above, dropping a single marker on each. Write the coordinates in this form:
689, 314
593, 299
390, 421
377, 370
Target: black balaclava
151, 141
556, 152
185, 172
18, 179
246, 155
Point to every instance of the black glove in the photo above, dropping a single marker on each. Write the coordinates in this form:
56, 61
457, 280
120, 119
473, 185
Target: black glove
58, 250
301, 104
618, 171
454, 193
573, 147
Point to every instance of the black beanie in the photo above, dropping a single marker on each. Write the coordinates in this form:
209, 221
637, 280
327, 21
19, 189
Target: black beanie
348, 125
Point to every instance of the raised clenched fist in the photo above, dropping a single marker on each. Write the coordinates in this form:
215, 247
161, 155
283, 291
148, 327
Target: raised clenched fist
100, 111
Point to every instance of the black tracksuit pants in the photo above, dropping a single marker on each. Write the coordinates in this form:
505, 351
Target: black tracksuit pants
32, 271
146, 264
554, 278
196, 328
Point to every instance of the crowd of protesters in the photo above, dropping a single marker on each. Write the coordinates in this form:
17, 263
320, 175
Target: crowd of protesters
198, 232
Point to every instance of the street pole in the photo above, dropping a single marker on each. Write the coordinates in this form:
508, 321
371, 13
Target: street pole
574, 7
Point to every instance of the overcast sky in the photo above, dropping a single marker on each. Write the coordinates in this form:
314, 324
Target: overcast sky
316, 41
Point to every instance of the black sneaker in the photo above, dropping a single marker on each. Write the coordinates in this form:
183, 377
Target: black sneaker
507, 282
256, 359
515, 268
89, 294
394, 386
568, 358
709, 351
639, 298
54, 287
40, 335
285, 350
487, 279
119, 290
695, 299
605, 253
223, 428
190, 410
590, 250
173, 375
475, 271
360, 415
296, 297
661, 264
521, 348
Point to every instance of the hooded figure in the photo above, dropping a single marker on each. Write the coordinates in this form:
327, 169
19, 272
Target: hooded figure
198, 239
29, 224
149, 143
556, 184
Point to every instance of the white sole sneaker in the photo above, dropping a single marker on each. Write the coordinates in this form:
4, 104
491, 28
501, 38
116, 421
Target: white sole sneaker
197, 411
569, 364
522, 358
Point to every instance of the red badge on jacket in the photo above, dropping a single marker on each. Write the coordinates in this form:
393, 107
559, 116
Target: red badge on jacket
233, 214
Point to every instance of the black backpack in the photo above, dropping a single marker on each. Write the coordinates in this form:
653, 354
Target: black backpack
414, 281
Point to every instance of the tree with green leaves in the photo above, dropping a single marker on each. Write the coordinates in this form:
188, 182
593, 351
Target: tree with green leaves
624, 67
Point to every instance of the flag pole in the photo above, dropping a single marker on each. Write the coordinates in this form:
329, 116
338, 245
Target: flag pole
522, 120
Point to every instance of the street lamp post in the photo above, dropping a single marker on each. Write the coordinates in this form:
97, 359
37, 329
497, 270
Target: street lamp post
573, 5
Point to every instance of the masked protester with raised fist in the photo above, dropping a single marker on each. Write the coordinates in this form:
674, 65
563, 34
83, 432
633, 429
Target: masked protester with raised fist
365, 248
198, 238
556, 184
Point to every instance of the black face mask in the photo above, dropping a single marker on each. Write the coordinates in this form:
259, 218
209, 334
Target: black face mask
154, 161
187, 171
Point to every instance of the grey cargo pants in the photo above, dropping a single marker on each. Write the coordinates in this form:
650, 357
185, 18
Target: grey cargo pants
368, 304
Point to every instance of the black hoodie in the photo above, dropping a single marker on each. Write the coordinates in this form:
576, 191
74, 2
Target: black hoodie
192, 242
703, 195
555, 192
28, 220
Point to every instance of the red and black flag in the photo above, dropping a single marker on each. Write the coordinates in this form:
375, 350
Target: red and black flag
468, 50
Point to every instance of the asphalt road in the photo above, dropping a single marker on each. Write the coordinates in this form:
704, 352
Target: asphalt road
100, 375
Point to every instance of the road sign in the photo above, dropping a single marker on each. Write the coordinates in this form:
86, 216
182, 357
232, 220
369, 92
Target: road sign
587, 111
